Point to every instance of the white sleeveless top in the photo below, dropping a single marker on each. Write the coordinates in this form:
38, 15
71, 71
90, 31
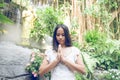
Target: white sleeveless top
62, 72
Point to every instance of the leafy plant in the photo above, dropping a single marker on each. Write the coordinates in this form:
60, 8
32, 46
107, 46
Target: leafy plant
94, 36
106, 51
113, 74
3, 19
103, 10
108, 55
80, 76
35, 61
47, 19
90, 64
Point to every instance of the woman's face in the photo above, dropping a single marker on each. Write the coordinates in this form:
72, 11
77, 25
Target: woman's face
60, 35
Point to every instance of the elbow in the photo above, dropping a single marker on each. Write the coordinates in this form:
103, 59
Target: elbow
83, 71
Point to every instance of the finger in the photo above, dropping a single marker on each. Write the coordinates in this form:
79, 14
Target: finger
59, 48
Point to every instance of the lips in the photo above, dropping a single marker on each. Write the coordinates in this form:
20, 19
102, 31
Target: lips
60, 41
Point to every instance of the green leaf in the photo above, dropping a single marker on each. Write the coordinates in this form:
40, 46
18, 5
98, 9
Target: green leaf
1, 5
4, 19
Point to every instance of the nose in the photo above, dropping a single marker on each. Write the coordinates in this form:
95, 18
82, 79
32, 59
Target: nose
60, 36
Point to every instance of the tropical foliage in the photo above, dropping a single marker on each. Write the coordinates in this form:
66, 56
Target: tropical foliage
35, 60
97, 25
46, 21
3, 19
105, 51
33, 66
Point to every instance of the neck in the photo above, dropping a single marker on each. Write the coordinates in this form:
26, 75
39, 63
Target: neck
62, 45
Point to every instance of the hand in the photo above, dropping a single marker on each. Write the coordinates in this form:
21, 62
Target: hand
62, 58
59, 49
59, 54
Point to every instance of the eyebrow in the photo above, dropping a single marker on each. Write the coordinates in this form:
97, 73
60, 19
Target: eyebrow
60, 33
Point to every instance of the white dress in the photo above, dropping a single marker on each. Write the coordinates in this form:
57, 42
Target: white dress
62, 72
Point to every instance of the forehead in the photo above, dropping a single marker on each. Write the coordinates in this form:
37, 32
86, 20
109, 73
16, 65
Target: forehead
60, 30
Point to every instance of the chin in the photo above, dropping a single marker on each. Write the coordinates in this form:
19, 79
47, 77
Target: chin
61, 43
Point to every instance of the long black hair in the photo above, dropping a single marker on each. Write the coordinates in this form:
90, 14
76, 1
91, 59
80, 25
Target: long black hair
68, 42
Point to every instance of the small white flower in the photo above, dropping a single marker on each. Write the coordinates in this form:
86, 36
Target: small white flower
28, 64
32, 59
110, 73
113, 76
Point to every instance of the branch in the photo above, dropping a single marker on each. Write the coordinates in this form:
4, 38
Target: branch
114, 15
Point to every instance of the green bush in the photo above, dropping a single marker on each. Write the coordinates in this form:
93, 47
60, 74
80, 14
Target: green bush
106, 51
34, 64
113, 74
35, 61
47, 19
93, 37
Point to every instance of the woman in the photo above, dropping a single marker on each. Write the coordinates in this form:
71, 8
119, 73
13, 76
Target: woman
64, 59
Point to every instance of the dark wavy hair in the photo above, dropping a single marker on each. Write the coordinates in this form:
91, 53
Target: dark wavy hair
68, 42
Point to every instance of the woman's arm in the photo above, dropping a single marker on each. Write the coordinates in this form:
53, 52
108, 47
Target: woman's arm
46, 66
77, 66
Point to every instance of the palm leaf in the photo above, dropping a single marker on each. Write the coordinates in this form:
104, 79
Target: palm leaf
4, 19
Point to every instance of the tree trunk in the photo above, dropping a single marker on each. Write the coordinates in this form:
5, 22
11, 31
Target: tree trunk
114, 15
